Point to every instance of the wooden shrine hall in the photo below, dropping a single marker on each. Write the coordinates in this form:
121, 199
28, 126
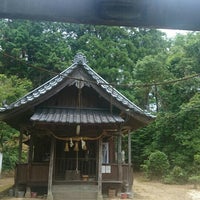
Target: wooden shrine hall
74, 125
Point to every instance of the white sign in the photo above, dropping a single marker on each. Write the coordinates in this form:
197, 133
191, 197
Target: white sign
106, 169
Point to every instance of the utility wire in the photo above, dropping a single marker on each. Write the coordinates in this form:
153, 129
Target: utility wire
166, 82
30, 65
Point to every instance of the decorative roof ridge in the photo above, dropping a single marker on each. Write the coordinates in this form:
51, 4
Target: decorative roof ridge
80, 58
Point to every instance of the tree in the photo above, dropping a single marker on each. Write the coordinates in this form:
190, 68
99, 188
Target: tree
111, 51
10, 89
150, 70
157, 165
25, 44
177, 135
182, 61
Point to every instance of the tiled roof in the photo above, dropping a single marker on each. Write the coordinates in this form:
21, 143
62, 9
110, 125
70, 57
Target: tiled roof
49, 85
66, 115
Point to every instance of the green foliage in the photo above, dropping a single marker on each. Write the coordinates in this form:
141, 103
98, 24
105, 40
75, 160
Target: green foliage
10, 90
177, 175
196, 164
150, 69
177, 135
194, 180
182, 60
8, 146
13, 88
140, 143
35, 43
111, 51
157, 165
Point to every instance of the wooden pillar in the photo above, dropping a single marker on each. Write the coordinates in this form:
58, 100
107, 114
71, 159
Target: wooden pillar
51, 164
30, 153
129, 148
120, 157
119, 149
100, 170
129, 161
30, 157
20, 147
29, 167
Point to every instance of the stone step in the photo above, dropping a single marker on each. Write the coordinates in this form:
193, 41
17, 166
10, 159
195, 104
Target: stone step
75, 192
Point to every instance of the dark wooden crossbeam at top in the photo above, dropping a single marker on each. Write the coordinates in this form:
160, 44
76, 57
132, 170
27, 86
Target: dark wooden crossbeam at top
174, 14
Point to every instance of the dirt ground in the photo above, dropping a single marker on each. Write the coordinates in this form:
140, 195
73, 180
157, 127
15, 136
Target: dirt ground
143, 190
152, 190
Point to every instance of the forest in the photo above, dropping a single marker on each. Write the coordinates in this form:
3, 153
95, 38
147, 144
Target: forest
159, 74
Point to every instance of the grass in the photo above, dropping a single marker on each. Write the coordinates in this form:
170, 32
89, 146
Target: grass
6, 182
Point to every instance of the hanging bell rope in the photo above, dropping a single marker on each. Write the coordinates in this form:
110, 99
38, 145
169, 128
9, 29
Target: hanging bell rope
77, 171
78, 127
71, 139
66, 147
71, 143
76, 148
83, 145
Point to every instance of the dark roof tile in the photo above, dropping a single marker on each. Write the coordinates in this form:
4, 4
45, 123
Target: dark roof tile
66, 115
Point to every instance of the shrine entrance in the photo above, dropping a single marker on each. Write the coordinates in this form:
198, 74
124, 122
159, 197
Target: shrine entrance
74, 162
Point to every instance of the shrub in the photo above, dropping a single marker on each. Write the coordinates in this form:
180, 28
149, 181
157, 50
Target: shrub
157, 165
194, 180
178, 175
168, 179
196, 164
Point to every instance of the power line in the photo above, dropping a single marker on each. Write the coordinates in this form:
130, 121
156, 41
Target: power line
166, 82
30, 65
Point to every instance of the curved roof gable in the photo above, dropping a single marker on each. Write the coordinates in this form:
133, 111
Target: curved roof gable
33, 96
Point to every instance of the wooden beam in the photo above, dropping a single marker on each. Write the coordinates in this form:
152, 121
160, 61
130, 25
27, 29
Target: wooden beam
51, 164
175, 14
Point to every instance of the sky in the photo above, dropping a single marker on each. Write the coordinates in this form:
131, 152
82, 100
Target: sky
171, 33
